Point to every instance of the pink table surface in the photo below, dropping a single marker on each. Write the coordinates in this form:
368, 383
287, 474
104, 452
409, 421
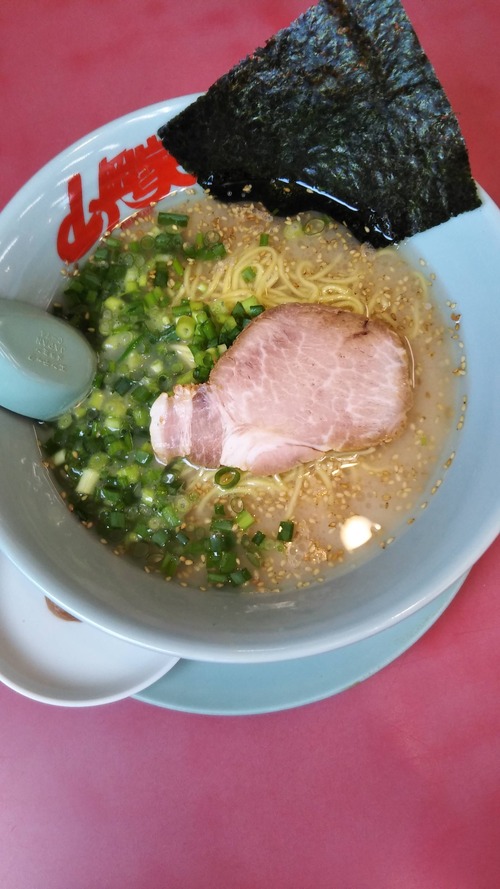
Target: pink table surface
393, 783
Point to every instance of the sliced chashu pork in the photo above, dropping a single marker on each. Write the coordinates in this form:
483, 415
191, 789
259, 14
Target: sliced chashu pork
299, 381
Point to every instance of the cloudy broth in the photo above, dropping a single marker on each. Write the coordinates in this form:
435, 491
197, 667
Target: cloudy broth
337, 510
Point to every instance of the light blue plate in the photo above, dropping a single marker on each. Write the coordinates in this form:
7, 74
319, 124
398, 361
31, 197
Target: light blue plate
243, 689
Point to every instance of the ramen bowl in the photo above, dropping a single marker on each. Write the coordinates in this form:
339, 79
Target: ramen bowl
57, 218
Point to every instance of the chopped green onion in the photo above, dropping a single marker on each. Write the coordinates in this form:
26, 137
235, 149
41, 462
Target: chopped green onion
147, 243
185, 327
116, 520
205, 253
122, 385
221, 524
253, 311
161, 274
101, 254
215, 251
115, 448
209, 329
88, 481
227, 477
129, 349
177, 267
210, 238
238, 311
180, 219
201, 374
244, 519
228, 562
126, 259
264, 240
285, 531
251, 303
166, 242
221, 541
170, 516
240, 577
160, 538
213, 577
59, 457
141, 394
314, 226
142, 457
169, 565
249, 274
185, 379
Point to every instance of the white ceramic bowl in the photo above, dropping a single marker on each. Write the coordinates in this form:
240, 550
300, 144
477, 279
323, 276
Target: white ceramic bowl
69, 564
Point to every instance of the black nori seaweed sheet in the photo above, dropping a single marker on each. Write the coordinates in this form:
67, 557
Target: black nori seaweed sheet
341, 111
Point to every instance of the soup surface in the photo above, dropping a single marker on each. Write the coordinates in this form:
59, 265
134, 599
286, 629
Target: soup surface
160, 299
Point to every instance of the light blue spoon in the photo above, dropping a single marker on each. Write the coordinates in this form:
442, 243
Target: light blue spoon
46, 366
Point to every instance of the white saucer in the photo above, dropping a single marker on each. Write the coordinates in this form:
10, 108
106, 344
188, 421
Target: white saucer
242, 689
65, 662
73, 664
